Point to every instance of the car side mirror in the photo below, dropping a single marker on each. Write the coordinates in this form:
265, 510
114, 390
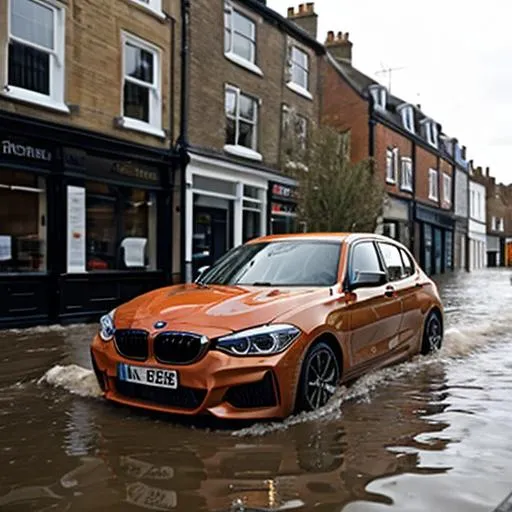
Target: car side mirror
364, 279
201, 271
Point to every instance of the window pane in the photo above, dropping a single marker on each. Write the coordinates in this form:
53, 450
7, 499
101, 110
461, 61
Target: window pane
138, 63
408, 264
136, 101
230, 131
245, 136
227, 40
300, 76
300, 57
29, 68
32, 22
22, 222
251, 227
392, 260
243, 25
247, 107
121, 228
364, 259
230, 103
243, 47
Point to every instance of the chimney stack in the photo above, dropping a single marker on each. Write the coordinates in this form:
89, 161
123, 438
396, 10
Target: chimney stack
487, 172
305, 18
340, 47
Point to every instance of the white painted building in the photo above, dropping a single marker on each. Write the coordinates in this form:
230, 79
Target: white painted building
477, 226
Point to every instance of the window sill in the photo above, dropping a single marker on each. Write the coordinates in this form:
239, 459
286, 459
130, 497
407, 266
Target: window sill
406, 189
390, 181
243, 152
139, 126
244, 63
17, 93
299, 90
157, 13
432, 198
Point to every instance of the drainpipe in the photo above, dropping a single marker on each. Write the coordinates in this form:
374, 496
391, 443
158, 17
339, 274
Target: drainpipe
182, 142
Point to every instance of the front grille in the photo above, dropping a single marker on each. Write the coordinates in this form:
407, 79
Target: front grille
178, 347
182, 398
255, 394
132, 343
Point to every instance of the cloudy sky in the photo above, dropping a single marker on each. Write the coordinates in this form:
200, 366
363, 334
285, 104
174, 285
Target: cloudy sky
455, 58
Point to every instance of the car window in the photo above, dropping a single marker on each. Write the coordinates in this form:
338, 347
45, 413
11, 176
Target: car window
364, 259
392, 260
408, 264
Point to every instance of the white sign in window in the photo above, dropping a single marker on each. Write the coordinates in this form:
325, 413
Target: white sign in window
76, 230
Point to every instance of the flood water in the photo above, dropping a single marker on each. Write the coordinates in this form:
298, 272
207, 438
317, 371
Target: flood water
434, 434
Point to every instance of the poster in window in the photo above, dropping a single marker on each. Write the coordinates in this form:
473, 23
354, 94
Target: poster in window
76, 229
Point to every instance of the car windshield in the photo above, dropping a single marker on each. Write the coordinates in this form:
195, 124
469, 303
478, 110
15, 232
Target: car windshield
279, 263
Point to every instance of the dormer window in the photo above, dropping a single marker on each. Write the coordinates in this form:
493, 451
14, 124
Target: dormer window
430, 131
379, 94
407, 114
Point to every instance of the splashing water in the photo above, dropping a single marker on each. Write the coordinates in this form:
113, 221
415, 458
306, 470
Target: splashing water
73, 378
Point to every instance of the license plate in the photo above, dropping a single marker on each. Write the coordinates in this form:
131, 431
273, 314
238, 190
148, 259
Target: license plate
149, 376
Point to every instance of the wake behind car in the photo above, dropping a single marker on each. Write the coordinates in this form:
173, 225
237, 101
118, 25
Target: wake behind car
271, 328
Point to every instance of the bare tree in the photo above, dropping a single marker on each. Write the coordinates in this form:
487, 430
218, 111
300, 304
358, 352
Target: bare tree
334, 194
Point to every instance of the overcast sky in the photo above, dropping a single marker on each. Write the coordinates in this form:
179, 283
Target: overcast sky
456, 60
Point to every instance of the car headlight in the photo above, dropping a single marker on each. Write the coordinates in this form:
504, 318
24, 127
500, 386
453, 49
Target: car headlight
266, 340
107, 327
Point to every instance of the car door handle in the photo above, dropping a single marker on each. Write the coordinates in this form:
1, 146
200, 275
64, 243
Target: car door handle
390, 291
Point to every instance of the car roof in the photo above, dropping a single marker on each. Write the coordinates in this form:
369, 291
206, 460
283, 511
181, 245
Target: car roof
336, 237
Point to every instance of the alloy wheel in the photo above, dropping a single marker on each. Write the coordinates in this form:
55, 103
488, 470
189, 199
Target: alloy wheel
321, 377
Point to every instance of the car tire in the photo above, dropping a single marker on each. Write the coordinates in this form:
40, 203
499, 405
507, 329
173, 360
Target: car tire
319, 377
432, 334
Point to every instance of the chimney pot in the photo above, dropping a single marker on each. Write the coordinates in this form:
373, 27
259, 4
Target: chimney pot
487, 171
330, 36
310, 7
302, 8
291, 12
346, 36
340, 36
305, 18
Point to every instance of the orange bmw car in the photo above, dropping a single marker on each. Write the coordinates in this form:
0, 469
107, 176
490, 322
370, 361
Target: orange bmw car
272, 328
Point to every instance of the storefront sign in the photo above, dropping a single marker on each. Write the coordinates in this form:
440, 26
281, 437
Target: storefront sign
134, 171
283, 208
283, 191
14, 149
129, 171
76, 230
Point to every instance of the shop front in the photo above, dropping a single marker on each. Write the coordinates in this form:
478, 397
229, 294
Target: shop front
84, 223
434, 230
226, 204
395, 222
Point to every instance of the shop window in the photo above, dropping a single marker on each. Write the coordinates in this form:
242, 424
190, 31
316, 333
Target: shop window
120, 227
22, 222
35, 70
142, 96
252, 210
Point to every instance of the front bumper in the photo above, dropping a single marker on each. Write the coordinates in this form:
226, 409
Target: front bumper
219, 384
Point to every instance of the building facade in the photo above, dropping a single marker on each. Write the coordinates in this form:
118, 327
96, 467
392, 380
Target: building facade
412, 156
477, 224
249, 69
461, 209
87, 119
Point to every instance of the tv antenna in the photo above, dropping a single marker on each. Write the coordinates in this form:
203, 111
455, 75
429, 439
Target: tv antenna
389, 71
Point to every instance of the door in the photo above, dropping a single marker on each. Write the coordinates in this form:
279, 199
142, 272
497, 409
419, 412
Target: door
438, 251
376, 313
427, 248
210, 240
404, 279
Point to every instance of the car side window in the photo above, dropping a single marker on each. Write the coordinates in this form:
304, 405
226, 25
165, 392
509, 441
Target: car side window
392, 260
408, 264
364, 259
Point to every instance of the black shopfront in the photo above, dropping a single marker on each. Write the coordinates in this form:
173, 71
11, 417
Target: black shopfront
84, 223
282, 209
434, 230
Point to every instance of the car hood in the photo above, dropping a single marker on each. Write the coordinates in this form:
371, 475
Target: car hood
215, 310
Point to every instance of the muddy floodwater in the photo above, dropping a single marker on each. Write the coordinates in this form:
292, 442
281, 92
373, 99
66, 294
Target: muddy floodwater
434, 434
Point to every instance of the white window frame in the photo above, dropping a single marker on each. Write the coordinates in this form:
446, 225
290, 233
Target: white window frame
433, 185
55, 100
447, 188
249, 64
294, 86
236, 149
431, 132
407, 113
154, 126
390, 166
406, 174
379, 95
153, 6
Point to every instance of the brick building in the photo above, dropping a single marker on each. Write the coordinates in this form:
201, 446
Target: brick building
249, 67
87, 118
413, 157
